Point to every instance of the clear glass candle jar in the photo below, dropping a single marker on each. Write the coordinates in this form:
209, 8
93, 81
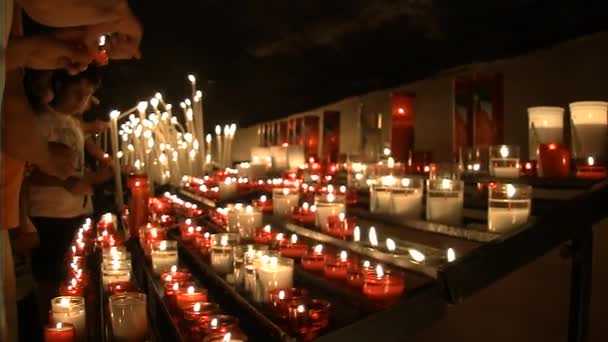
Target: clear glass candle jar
247, 221
272, 273
279, 300
545, 125
240, 254
327, 205
222, 246
115, 273
164, 255
474, 160
70, 310
129, 316
284, 200
504, 161
406, 198
444, 201
508, 206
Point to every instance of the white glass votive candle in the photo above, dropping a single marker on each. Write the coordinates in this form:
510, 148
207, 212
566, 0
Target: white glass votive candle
164, 255
70, 309
504, 161
228, 188
221, 251
284, 200
115, 273
273, 272
231, 217
508, 206
406, 199
589, 129
380, 195
444, 201
247, 221
242, 255
250, 283
545, 125
327, 206
129, 316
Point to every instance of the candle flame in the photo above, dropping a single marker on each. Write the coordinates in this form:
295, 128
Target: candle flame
175, 286
301, 308
391, 245
263, 198
331, 197
379, 271
343, 256
405, 182
227, 337
173, 268
190, 290
342, 189
305, 206
168, 278
163, 245
64, 302
73, 282
207, 235
267, 228
224, 240
510, 190
357, 234
341, 217
367, 264
197, 307
294, 238
213, 323
318, 249
281, 295
273, 261
504, 151
190, 229
451, 254
313, 208
285, 191
388, 180
249, 209
590, 161
417, 255
373, 238
59, 325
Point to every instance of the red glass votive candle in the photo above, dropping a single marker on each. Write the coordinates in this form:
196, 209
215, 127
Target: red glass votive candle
356, 272
292, 248
231, 336
189, 235
305, 215
314, 260
264, 235
175, 275
553, 160
59, 332
138, 205
590, 170
263, 204
383, 284
197, 312
171, 291
121, 287
71, 289
340, 226
190, 295
308, 317
336, 266
203, 243
279, 300
219, 324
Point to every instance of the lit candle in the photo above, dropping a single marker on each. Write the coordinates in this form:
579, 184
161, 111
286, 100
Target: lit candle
336, 266
117, 177
263, 204
129, 316
406, 199
308, 317
356, 272
272, 273
284, 200
247, 221
340, 226
306, 214
198, 312
589, 129
504, 161
264, 235
508, 206
327, 207
380, 195
176, 275
233, 336
69, 309
545, 125
219, 324
590, 170
164, 255
383, 284
190, 296
121, 287
59, 332
279, 300
293, 249
314, 260
116, 273
553, 160
444, 201
228, 188
221, 252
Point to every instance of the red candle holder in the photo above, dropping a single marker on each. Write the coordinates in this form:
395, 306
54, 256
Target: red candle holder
219, 324
340, 226
279, 300
59, 332
263, 204
171, 291
314, 260
138, 205
203, 243
189, 234
71, 289
355, 273
309, 317
336, 266
195, 313
383, 284
235, 335
175, 275
264, 235
190, 295
304, 215
121, 287
292, 249
553, 161
590, 171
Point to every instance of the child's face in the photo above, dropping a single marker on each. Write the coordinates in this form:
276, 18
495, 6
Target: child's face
76, 97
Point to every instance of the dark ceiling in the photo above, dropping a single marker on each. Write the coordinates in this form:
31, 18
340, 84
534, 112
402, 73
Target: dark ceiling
257, 60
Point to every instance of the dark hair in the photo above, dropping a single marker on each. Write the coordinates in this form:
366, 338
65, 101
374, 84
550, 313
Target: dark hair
62, 78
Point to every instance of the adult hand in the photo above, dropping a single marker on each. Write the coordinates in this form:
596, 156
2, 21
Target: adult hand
67, 13
59, 162
57, 50
124, 38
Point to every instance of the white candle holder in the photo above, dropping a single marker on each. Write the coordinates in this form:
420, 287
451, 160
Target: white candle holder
70, 309
284, 200
222, 246
444, 201
228, 188
545, 125
589, 131
504, 161
129, 316
243, 255
247, 220
271, 273
164, 255
327, 206
406, 198
508, 206
115, 273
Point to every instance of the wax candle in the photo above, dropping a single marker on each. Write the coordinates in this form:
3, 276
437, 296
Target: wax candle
243, 255
164, 255
219, 324
272, 273
508, 206
306, 214
129, 316
279, 300
175, 275
308, 317
264, 235
138, 206
196, 312
247, 221
221, 251
203, 243
59, 332
232, 336
284, 200
263, 204
336, 266
72, 288
406, 199
191, 295
355, 273
545, 125
340, 226
383, 284
69, 309
121, 287
327, 206
314, 260
590, 170
380, 199
589, 129
228, 189
444, 201
504, 161
292, 248
190, 233
171, 290
553, 160
115, 274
